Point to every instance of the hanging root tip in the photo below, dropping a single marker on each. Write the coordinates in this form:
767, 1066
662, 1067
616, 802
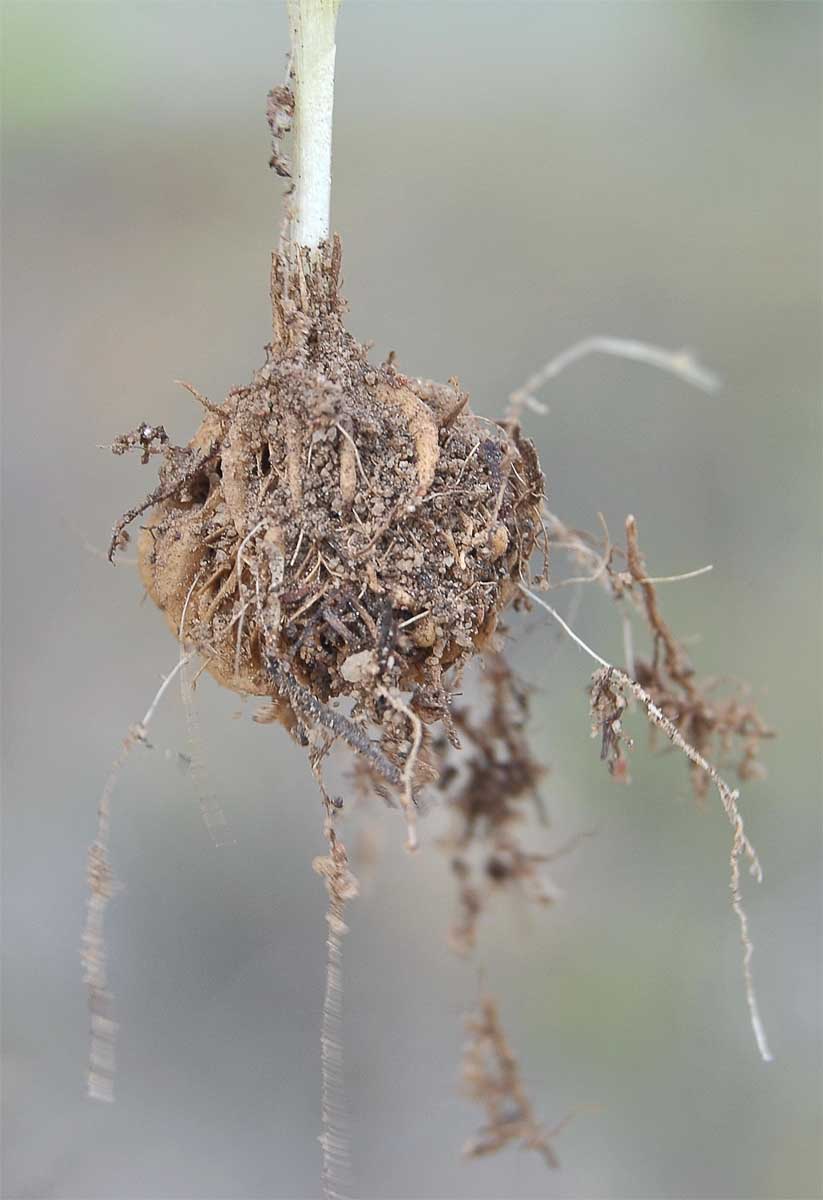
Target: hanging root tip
412, 842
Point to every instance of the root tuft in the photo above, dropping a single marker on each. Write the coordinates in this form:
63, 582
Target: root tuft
334, 515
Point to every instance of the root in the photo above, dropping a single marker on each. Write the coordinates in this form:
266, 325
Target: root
601, 689
349, 461
409, 804
341, 886
228, 586
677, 665
212, 813
336, 457
164, 491
681, 577
102, 886
586, 552
422, 427
309, 707
713, 726
241, 590
294, 461
709, 724
566, 628
491, 1076
216, 409
399, 527
607, 711
351, 447
490, 788
213, 816
680, 363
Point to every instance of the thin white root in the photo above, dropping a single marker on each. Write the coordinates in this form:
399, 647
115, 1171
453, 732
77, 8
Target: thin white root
102, 886
728, 796
413, 620
582, 551
213, 816
566, 628
409, 807
680, 363
150, 711
586, 554
679, 578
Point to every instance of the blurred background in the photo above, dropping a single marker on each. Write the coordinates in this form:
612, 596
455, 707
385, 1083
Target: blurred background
508, 178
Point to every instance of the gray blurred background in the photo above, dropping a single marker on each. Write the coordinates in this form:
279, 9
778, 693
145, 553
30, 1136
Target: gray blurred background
509, 178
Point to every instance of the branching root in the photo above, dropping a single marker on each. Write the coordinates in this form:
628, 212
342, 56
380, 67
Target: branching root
491, 1076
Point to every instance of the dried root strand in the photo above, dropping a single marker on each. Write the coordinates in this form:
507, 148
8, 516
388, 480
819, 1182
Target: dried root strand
195, 465
102, 886
216, 410
676, 662
609, 685
341, 886
214, 818
491, 1076
680, 363
710, 724
489, 790
309, 707
715, 725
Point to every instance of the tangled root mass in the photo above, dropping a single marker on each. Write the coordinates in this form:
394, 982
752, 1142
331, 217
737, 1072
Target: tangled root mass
338, 529
343, 539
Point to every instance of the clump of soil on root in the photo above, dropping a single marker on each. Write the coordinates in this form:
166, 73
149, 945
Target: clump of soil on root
337, 529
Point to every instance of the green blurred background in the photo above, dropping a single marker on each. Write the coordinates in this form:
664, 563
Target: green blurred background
509, 178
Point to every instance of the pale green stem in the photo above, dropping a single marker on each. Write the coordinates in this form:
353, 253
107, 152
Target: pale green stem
312, 24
